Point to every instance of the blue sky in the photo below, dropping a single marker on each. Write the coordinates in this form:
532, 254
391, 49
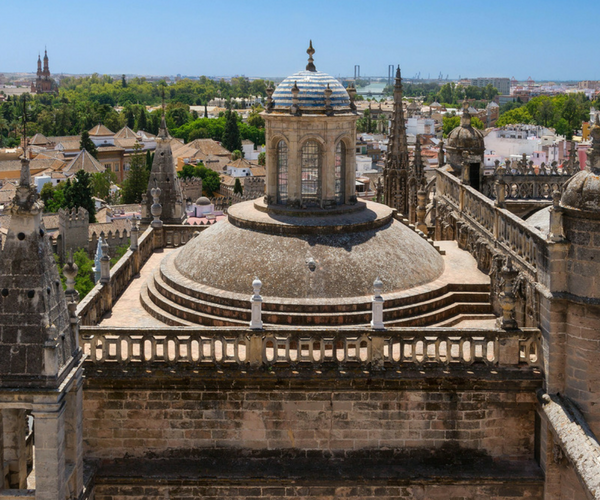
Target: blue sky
543, 39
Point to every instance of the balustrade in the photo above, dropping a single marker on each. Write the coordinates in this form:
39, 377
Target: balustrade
497, 224
393, 348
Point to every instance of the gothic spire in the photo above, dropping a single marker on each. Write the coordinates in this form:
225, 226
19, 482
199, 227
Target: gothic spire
397, 159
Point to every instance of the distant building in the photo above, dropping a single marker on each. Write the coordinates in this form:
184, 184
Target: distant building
44, 84
502, 84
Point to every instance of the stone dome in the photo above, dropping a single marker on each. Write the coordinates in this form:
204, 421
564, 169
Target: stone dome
582, 191
202, 201
466, 137
311, 96
316, 261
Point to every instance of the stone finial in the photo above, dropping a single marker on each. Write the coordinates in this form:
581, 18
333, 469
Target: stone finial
507, 297
70, 270
310, 51
270, 101
441, 153
377, 306
156, 209
352, 94
256, 306
556, 198
104, 264
295, 107
465, 119
134, 235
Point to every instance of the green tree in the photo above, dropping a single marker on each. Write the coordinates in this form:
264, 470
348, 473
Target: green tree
262, 159
129, 117
231, 133
236, 155
211, 181
87, 144
237, 187
142, 123
254, 118
149, 160
122, 250
514, 116
79, 194
136, 182
53, 197
101, 182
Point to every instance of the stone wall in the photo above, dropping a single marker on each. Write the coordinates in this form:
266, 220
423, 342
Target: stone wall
152, 417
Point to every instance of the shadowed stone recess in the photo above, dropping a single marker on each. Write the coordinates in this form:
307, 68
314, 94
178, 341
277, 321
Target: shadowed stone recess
345, 264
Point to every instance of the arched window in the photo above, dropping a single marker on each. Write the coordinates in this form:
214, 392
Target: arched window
311, 173
282, 172
340, 172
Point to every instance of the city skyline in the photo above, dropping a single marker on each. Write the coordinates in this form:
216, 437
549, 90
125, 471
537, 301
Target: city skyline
530, 39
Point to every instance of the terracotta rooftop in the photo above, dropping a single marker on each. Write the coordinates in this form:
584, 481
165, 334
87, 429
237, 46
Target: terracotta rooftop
126, 133
100, 130
83, 161
38, 140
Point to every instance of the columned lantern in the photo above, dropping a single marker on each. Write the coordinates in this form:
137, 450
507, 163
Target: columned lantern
311, 134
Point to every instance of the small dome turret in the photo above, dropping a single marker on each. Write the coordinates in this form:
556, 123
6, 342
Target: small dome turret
582, 191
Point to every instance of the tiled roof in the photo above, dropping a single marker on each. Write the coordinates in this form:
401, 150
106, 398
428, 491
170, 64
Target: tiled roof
50, 221
83, 161
38, 140
258, 171
100, 130
209, 147
126, 133
128, 143
70, 145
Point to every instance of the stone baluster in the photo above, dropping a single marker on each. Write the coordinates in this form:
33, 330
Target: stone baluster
256, 304
507, 297
500, 186
377, 306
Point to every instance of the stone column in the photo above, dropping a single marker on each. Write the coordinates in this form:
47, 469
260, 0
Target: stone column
350, 188
328, 168
15, 454
74, 432
294, 168
49, 424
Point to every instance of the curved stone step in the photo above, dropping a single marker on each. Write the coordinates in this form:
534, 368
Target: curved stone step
158, 313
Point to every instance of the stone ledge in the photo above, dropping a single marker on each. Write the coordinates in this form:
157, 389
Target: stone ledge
449, 465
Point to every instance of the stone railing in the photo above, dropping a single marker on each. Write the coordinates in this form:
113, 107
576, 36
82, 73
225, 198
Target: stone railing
101, 298
177, 235
393, 348
498, 225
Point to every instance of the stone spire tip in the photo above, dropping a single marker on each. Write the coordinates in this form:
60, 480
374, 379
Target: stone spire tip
310, 51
